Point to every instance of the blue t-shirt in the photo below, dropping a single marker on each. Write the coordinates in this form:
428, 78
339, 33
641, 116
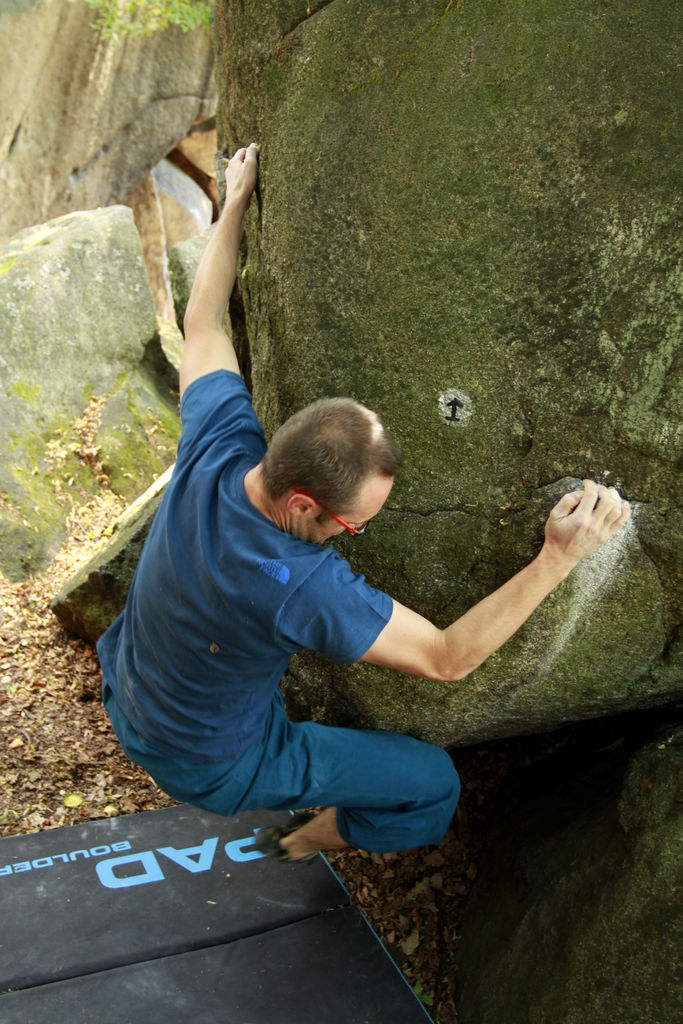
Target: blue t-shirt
222, 598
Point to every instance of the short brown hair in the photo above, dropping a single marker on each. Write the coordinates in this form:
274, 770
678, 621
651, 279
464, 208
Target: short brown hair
328, 449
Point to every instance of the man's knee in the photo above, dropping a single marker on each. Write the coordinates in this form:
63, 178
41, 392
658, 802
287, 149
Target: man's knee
448, 782
442, 772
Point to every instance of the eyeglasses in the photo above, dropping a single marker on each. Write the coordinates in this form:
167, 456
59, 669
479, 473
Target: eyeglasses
355, 531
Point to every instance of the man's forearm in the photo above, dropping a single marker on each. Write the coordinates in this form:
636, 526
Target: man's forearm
471, 639
577, 526
217, 269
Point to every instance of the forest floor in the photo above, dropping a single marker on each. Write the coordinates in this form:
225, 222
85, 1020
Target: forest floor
61, 764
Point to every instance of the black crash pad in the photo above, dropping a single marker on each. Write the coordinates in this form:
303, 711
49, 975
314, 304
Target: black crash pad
173, 916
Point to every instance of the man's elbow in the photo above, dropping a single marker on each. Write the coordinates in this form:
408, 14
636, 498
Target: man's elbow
453, 674
451, 666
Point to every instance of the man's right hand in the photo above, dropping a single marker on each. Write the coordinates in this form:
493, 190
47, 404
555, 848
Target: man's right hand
241, 173
582, 521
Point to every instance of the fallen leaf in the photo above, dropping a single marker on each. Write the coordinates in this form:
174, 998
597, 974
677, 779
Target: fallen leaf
435, 859
73, 800
18, 742
410, 944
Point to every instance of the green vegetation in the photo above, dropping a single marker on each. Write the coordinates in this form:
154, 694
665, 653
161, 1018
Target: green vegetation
7, 265
145, 17
29, 392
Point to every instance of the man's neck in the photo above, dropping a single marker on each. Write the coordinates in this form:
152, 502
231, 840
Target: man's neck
255, 490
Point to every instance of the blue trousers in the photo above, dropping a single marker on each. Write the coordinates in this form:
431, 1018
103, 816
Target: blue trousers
391, 792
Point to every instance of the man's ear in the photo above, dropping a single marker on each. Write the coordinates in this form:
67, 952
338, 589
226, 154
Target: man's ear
300, 504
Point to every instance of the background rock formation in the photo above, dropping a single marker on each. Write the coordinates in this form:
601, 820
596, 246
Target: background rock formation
84, 119
85, 123
469, 219
89, 396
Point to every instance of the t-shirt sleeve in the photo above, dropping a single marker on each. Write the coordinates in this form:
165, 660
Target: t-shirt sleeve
335, 612
217, 408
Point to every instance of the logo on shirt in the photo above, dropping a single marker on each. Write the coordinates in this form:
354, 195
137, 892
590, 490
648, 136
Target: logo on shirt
278, 571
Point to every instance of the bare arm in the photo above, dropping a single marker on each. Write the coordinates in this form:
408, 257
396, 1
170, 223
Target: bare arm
578, 525
207, 346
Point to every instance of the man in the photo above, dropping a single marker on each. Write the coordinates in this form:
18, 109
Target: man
234, 579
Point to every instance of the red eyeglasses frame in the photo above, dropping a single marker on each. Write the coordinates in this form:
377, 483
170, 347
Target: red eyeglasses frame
342, 522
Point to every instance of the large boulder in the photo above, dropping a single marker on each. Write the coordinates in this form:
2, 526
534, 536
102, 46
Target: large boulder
89, 117
575, 914
469, 219
89, 396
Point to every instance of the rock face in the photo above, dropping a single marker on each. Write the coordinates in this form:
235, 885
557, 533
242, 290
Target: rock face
89, 117
469, 220
575, 914
88, 392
